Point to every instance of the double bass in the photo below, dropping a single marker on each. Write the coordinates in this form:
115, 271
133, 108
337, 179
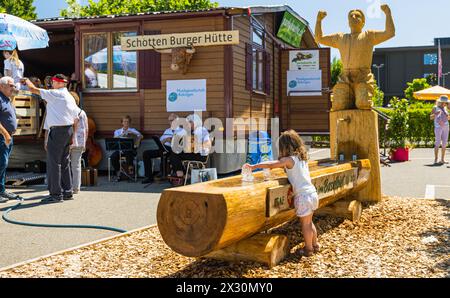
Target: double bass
93, 149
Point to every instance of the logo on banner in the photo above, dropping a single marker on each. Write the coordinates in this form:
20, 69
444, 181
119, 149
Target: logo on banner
293, 84
173, 97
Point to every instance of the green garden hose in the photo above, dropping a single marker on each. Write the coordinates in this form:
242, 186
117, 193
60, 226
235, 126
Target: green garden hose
44, 225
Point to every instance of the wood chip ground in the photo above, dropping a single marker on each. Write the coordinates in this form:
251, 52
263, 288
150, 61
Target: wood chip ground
398, 237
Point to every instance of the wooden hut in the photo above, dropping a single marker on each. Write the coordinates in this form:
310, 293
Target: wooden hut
243, 80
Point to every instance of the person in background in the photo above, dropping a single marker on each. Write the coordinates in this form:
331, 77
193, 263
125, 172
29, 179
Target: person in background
166, 140
13, 67
125, 132
8, 125
293, 158
62, 115
200, 145
78, 146
441, 117
90, 75
48, 82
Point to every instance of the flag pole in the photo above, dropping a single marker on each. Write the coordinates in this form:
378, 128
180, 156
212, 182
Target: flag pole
439, 62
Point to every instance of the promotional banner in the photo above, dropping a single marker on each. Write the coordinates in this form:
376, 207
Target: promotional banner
304, 82
291, 30
186, 95
304, 60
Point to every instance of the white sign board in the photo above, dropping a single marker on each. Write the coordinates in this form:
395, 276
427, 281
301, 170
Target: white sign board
186, 95
304, 82
304, 60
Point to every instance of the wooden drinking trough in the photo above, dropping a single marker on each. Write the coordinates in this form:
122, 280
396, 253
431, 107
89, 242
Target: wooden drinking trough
216, 218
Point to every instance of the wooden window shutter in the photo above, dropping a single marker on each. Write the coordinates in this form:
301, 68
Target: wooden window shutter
248, 66
267, 60
149, 67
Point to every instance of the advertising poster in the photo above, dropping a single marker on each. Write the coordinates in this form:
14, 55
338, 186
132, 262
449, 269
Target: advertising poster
304, 82
304, 60
291, 30
186, 95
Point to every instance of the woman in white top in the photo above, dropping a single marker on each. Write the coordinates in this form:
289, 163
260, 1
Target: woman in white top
78, 146
13, 67
293, 158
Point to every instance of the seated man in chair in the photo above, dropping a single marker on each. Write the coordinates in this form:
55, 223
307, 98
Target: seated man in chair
166, 140
200, 145
125, 132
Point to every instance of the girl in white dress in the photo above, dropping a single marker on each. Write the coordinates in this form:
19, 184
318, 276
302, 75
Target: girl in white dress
293, 158
13, 67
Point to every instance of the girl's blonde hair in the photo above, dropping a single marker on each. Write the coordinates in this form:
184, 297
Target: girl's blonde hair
14, 57
291, 144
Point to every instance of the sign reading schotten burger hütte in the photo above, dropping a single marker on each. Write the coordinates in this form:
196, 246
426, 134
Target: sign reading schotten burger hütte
179, 40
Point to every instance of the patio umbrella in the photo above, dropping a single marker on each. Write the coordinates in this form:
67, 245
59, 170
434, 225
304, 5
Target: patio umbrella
16, 32
123, 60
432, 93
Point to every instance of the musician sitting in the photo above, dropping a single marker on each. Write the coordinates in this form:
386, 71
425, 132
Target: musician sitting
200, 145
126, 132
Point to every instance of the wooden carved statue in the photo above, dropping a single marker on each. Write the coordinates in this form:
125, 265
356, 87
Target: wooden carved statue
356, 84
181, 57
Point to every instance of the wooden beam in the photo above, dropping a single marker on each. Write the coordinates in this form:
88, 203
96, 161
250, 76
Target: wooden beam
269, 249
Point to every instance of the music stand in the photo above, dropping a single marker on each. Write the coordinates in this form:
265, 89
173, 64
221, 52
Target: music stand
121, 145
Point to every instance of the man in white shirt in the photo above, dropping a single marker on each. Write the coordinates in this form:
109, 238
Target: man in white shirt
125, 132
166, 140
200, 145
62, 114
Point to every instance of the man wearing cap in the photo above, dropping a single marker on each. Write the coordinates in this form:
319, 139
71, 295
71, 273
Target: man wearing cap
440, 115
8, 125
62, 114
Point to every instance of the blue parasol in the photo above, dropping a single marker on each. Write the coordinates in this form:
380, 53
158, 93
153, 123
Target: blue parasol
16, 32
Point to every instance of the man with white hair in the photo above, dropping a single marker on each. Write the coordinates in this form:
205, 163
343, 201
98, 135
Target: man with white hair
200, 144
8, 126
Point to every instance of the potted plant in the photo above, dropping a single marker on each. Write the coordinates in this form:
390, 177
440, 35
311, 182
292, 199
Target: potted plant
398, 129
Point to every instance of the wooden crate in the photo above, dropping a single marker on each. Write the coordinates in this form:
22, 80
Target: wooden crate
27, 111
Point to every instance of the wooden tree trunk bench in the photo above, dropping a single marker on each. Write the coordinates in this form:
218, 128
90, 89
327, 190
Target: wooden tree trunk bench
196, 220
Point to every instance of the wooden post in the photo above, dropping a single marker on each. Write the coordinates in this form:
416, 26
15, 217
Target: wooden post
269, 249
356, 132
347, 209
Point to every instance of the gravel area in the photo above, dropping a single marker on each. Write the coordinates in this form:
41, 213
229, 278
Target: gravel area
398, 237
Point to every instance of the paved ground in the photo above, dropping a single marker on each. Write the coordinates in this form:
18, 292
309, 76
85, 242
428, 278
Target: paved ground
130, 205
123, 205
416, 178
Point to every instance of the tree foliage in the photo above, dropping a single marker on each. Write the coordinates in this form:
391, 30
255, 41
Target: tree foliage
117, 7
414, 86
336, 70
20, 8
378, 97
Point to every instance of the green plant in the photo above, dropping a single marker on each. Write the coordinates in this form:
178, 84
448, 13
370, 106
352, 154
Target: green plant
414, 86
378, 97
336, 70
398, 125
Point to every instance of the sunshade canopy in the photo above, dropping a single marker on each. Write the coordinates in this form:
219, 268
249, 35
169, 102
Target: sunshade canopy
432, 93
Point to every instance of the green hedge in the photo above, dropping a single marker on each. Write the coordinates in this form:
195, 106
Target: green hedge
420, 127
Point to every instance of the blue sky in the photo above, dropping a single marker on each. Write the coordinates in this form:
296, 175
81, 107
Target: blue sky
418, 22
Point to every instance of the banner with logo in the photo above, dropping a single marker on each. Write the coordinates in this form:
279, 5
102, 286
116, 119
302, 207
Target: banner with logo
186, 95
291, 30
304, 82
304, 60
